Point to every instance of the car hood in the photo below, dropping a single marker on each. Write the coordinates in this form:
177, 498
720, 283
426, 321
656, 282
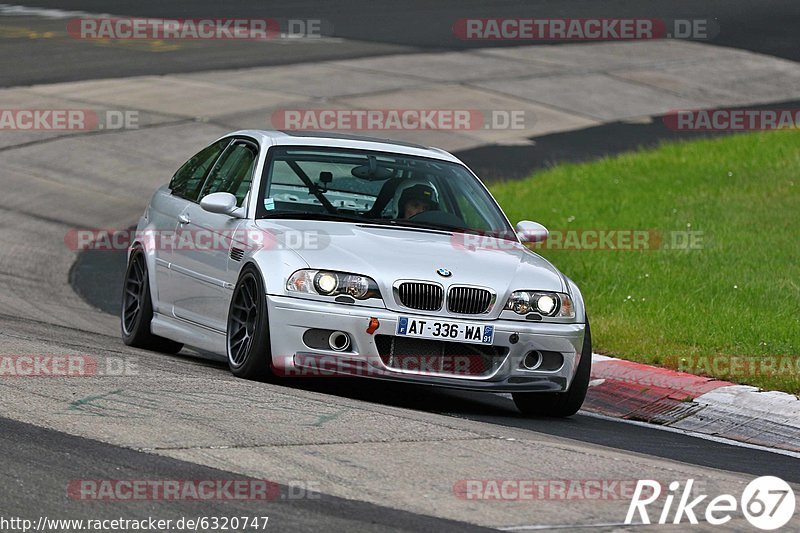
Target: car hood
388, 254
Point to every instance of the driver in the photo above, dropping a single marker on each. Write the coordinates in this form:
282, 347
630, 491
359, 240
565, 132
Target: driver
417, 199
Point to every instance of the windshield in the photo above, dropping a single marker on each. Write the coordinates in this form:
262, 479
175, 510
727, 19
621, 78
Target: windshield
378, 187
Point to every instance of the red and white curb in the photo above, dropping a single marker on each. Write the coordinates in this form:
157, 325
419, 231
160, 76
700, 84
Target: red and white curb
634, 391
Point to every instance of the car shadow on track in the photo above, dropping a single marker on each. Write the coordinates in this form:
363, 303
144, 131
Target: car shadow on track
410, 396
430, 399
499, 409
384, 392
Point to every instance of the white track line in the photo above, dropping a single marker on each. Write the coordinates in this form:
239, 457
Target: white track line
686, 432
565, 526
10, 10
705, 436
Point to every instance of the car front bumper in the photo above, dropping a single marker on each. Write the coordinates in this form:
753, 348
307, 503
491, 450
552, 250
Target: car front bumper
290, 319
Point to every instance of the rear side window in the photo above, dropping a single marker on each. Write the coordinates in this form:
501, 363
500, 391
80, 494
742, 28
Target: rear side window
188, 180
233, 172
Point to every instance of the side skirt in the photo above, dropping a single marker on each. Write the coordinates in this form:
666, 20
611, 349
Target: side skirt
189, 333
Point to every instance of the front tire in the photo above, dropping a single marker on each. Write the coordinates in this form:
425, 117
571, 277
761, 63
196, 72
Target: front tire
561, 404
247, 341
137, 309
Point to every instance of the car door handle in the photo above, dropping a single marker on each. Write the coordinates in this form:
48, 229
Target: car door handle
184, 218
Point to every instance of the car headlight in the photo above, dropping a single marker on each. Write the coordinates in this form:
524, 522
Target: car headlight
326, 283
550, 304
329, 283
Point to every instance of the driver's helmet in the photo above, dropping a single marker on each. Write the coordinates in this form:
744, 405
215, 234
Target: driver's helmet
420, 190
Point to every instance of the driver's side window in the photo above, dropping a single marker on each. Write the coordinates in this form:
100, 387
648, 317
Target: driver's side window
188, 180
233, 172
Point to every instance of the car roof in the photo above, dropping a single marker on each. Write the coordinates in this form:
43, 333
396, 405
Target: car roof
338, 140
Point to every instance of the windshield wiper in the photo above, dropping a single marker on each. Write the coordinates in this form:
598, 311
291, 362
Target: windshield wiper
427, 225
434, 226
418, 229
302, 215
388, 223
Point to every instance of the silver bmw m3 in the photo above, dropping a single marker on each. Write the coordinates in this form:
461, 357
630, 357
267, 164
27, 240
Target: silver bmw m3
324, 255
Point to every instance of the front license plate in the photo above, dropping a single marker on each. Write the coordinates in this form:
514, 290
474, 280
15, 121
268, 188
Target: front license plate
445, 330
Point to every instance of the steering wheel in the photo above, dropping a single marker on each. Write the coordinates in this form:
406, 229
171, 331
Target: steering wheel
416, 218
437, 216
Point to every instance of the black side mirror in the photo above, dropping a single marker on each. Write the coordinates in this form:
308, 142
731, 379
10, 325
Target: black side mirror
325, 178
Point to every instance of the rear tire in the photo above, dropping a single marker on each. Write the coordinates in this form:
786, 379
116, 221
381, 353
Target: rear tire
136, 313
561, 404
247, 341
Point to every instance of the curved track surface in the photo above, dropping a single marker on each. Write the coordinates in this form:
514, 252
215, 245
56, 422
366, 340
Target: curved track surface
404, 448
365, 27
379, 456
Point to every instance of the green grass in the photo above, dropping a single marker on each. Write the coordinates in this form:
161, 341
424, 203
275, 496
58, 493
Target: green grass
734, 300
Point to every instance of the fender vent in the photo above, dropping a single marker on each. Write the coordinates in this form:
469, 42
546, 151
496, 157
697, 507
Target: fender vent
237, 254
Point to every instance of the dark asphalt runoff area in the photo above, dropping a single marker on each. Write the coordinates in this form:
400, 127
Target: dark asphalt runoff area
51, 461
40, 50
499, 162
370, 28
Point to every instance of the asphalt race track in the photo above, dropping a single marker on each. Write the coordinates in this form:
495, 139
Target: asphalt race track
369, 28
370, 456
367, 442
52, 459
95, 276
